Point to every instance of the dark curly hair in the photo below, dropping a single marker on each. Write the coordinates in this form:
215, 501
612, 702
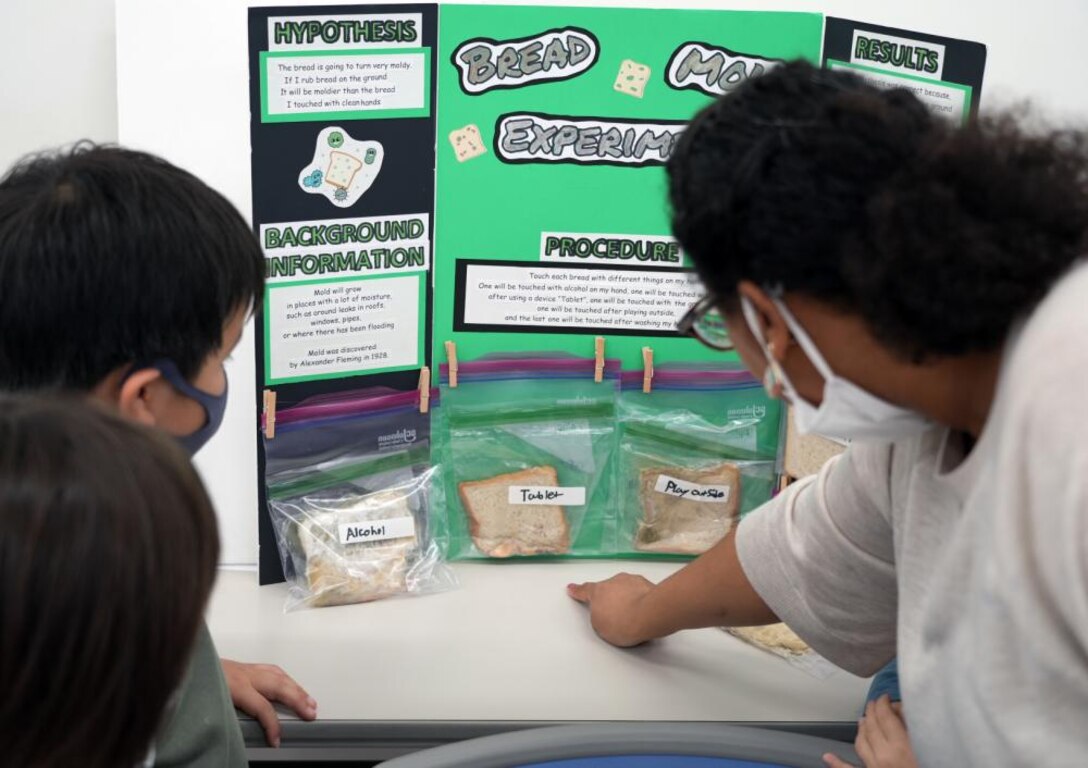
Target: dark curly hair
940, 237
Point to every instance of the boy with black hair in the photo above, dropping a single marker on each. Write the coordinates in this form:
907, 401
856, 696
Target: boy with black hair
129, 279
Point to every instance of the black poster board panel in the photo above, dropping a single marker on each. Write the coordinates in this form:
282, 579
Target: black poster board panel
404, 186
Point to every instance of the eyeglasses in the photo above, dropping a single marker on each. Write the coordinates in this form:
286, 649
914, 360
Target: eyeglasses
705, 323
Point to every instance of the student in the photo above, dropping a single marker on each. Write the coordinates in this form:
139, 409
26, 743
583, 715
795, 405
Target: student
919, 288
129, 279
108, 550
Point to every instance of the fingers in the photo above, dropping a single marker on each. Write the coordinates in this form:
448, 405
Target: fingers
864, 742
253, 688
254, 704
583, 593
276, 685
886, 720
833, 761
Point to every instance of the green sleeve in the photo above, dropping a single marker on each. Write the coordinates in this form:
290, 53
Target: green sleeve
203, 729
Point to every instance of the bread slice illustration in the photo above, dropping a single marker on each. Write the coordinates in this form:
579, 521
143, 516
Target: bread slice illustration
342, 169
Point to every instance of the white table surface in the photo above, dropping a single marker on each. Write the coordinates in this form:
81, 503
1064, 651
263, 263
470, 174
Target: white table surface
510, 645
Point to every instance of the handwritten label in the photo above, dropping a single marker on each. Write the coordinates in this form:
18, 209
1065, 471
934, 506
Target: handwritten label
711, 494
547, 494
378, 530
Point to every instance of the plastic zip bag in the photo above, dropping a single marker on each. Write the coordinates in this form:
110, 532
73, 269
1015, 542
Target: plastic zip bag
527, 449
696, 454
322, 431
351, 491
682, 495
723, 402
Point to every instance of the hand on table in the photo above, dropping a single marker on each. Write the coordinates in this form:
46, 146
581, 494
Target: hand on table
882, 738
614, 607
253, 688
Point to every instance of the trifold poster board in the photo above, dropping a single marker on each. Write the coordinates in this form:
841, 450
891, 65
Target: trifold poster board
493, 176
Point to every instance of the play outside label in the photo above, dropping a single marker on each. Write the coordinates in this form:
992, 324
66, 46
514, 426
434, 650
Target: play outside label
682, 489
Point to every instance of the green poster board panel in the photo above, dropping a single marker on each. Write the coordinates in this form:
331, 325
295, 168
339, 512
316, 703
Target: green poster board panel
537, 234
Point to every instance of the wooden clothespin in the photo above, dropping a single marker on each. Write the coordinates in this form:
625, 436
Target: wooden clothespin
451, 358
269, 414
598, 356
424, 389
647, 369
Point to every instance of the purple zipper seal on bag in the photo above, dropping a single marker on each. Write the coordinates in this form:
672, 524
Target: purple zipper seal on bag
364, 393
705, 378
499, 369
355, 405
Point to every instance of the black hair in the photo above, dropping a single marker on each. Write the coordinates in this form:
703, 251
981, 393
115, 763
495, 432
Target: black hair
108, 551
110, 256
939, 236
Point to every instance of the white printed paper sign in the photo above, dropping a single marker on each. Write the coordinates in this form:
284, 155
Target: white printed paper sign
341, 328
682, 489
548, 296
538, 495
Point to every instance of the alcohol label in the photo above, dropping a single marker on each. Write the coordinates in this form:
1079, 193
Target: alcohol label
378, 530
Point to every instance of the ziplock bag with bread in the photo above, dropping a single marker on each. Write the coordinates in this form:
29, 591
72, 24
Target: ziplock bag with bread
351, 491
527, 443
695, 453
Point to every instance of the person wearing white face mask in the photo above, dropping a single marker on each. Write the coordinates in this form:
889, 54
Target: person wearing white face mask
845, 410
919, 289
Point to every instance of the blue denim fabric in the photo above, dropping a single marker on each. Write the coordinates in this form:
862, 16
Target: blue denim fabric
885, 681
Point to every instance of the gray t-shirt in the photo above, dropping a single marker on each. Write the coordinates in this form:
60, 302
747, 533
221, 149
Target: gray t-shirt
972, 569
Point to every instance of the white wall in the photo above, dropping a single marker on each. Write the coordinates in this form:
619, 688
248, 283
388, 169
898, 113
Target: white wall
181, 91
59, 81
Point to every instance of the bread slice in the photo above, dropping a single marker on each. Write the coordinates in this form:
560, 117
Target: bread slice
777, 638
340, 574
686, 526
502, 529
807, 454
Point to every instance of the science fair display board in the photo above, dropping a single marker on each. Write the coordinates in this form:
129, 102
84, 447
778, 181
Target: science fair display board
438, 185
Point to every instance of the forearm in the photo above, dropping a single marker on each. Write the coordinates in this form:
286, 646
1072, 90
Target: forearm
711, 591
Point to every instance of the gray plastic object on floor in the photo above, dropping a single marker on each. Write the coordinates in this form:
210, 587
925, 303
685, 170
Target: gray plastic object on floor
570, 742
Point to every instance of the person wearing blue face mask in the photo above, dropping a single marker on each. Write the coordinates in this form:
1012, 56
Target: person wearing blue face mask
129, 280
919, 289
212, 405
